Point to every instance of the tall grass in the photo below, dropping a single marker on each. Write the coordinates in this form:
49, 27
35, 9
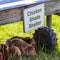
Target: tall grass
16, 29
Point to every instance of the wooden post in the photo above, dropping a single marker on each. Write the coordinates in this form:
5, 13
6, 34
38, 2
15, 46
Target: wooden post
49, 20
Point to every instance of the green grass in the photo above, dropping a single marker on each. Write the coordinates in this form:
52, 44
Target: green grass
56, 27
16, 29
13, 29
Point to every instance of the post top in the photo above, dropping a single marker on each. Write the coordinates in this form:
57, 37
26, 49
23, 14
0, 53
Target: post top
8, 4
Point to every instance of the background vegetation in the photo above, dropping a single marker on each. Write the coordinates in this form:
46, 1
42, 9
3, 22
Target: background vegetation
16, 29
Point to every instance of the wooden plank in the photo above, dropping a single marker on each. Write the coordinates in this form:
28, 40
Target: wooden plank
10, 20
52, 7
12, 15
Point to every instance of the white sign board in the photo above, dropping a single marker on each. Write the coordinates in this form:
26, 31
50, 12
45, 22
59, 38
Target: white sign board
33, 17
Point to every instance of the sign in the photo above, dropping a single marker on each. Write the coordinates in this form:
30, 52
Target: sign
33, 17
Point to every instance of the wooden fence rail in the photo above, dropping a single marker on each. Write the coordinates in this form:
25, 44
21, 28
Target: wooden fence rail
13, 15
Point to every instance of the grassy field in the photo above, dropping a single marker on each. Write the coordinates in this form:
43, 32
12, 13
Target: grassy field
16, 29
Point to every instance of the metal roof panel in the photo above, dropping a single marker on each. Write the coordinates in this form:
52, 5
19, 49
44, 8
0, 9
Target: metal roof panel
8, 4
